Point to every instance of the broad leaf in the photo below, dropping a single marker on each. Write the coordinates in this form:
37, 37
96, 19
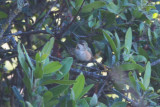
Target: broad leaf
85, 90
128, 67
38, 73
118, 45
58, 89
66, 65
78, 86
78, 3
52, 67
111, 42
92, 6
128, 40
83, 103
119, 104
48, 47
127, 45
28, 59
147, 75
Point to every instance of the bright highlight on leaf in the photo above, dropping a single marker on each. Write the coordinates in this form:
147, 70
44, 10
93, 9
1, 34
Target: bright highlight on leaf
155, 15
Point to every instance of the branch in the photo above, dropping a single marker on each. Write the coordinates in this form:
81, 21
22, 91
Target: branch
7, 58
155, 62
126, 98
89, 74
67, 27
12, 15
47, 14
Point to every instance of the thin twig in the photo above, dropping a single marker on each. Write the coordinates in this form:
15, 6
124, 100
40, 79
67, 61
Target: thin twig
125, 97
101, 89
155, 62
12, 15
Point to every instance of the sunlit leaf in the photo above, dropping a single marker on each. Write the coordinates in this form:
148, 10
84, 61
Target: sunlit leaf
155, 15
48, 47
52, 67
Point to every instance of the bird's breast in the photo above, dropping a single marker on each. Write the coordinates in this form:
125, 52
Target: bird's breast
83, 55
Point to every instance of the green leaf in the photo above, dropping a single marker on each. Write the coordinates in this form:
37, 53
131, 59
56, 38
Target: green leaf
48, 47
28, 83
94, 100
28, 58
113, 8
128, 67
142, 86
28, 104
132, 80
143, 52
66, 65
147, 75
47, 96
78, 3
128, 41
150, 41
52, 67
127, 45
85, 90
58, 89
78, 86
91, 21
111, 42
17, 93
83, 103
119, 104
137, 13
39, 70
41, 57
62, 82
22, 59
141, 27
93, 6
118, 45
26, 69
3, 15
139, 58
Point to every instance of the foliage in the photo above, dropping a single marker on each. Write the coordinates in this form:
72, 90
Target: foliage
38, 68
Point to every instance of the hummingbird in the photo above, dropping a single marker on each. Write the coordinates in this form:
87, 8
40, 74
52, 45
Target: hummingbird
82, 52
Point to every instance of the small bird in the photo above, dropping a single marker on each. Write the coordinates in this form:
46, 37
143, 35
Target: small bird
82, 52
